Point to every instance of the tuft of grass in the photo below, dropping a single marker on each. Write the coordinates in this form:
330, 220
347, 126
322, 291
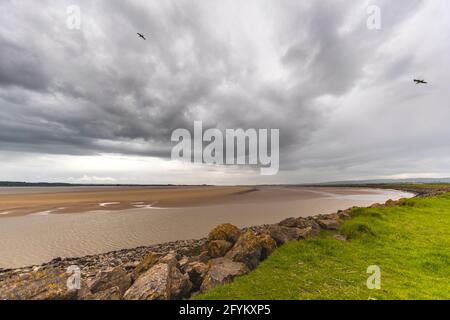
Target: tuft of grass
409, 242
357, 230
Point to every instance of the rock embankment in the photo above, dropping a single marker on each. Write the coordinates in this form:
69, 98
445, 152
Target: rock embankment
175, 270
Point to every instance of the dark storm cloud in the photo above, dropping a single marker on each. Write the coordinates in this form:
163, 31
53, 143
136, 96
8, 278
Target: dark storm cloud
21, 68
262, 64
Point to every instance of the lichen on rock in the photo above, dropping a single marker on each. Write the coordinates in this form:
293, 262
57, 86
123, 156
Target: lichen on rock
226, 232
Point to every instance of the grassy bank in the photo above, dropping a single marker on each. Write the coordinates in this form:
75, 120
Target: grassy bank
409, 242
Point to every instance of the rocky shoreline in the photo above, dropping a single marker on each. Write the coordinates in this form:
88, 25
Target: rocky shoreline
174, 270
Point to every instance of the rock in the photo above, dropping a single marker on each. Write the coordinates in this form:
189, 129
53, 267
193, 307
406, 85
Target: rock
284, 234
184, 261
111, 278
194, 249
46, 284
268, 245
170, 258
154, 284
37, 268
222, 271
180, 285
340, 237
56, 261
204, 257
300, 223
332, 216
196, 272
344, 215
163, 281
113, 293
328, 224
218, 248
289, 222
148, 262
390, 203
246, 250
131, 265
307, 233
226, 232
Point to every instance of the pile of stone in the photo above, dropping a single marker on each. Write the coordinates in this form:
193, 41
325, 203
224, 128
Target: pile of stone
177, 272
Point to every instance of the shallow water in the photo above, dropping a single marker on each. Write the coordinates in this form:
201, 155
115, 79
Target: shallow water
38, 238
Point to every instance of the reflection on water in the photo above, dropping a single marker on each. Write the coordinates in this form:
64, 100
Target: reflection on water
38, 238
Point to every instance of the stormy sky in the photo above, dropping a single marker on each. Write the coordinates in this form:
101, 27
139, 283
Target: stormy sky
98, 105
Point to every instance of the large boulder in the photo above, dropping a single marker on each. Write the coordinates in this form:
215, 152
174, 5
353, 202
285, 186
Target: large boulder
308, 232
345, 214
390, 203
300, 223
246, 250
203, 257
218, 248
45, 284
110, 278
268, 245
222, 271
226, 232
284, 234
196, 271
328, 224
289, 222
149, 261
163, 281
154, 284
180, 285
171, 259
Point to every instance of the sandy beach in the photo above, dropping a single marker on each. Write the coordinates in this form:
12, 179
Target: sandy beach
83, 199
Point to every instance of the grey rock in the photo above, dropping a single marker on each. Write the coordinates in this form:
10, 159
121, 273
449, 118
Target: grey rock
111, 278
180, 285
171, 259
284, 234
226, 232
163, 281
329, 224
246, 250
222, 271
45, 284
218, 248
196, 271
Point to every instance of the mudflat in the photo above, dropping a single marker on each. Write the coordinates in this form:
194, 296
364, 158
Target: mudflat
55, 201
37, 226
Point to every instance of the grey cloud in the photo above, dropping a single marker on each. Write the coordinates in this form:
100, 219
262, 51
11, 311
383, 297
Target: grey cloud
102, 90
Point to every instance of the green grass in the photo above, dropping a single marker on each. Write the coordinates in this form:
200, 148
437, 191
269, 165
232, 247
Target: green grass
410, 243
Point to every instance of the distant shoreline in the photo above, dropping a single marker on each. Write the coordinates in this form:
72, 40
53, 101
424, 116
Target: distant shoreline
348, 183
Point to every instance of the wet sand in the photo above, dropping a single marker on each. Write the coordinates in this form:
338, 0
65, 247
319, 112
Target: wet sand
131, 217
23, 201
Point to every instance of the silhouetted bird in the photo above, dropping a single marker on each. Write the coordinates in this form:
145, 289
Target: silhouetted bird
141, 36
420, 81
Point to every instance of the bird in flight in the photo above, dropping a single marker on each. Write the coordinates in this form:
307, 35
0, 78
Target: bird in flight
420, 81
141, 36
